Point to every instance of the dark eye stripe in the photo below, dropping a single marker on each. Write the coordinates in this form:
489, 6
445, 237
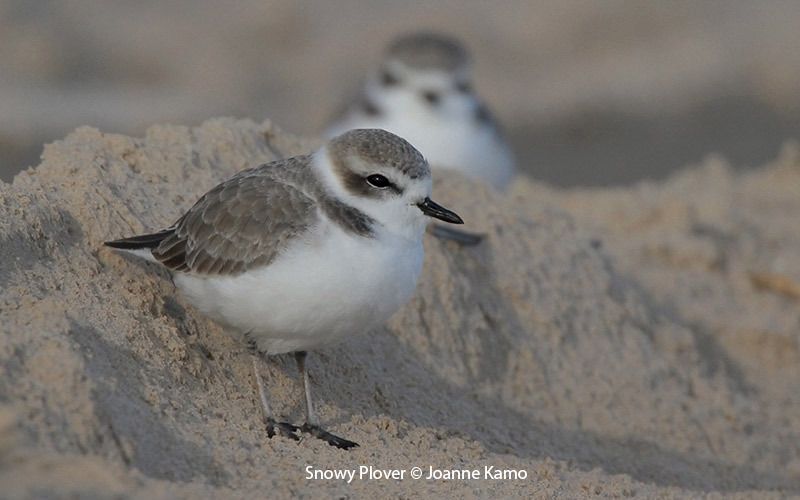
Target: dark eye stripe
431, 96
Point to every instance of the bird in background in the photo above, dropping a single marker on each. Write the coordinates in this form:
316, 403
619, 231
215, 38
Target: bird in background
422, 90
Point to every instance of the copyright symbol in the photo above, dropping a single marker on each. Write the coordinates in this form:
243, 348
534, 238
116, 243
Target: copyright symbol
416, 473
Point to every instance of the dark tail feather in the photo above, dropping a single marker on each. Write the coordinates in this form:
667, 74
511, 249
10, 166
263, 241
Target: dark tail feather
142, 241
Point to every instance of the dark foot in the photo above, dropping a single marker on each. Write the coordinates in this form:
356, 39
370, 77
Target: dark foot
285, 429
463, 238
326, 436
252, 347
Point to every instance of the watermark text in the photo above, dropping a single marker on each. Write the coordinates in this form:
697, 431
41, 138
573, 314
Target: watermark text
427, 473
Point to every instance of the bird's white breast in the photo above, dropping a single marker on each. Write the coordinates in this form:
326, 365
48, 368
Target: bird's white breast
327, 284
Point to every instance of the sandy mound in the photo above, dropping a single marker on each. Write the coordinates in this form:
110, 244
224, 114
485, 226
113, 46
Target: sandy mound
633, 342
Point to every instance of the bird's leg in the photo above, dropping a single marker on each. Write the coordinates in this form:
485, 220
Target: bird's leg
312, 423
283, 428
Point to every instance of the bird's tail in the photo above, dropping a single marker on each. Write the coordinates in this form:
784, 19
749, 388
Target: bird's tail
141, 242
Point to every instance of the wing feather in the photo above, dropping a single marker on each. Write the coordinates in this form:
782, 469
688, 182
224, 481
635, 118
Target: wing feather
244, 222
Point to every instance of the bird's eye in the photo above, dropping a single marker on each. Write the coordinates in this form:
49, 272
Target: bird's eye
431, 96
378, 181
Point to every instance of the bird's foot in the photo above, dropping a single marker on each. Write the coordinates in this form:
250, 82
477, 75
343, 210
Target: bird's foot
285, 429
326, 436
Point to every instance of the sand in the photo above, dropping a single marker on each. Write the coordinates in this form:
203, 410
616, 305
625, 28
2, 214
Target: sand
639, 342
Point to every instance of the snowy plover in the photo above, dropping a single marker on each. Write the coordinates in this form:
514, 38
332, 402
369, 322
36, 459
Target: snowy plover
422, 91
300, 252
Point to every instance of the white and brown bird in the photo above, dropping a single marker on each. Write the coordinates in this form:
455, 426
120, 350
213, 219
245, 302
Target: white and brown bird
423, 92
298, 253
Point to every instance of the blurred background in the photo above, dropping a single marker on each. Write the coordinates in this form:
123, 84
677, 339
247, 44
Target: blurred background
591, 93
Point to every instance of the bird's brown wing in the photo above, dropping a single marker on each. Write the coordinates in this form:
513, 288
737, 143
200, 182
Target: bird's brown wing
243, 223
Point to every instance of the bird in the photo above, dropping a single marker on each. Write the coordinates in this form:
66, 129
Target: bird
422, 90
301, 252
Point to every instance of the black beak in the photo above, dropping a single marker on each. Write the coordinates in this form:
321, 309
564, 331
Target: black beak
433, 209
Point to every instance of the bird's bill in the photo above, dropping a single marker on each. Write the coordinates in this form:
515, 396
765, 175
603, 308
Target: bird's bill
433, 209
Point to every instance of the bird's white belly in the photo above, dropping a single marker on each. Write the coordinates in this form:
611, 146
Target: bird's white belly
319, 290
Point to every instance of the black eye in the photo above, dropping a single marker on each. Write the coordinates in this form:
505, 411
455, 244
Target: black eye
378, 181
431, 96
